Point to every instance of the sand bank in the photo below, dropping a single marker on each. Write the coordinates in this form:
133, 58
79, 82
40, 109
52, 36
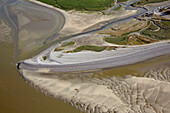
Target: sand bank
107, 95
94, 60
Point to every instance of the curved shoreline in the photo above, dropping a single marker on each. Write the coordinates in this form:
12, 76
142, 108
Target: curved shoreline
40, 32
119, 60
130, 58
106, 95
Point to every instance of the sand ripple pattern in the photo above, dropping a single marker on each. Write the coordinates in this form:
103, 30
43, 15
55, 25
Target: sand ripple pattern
149, 94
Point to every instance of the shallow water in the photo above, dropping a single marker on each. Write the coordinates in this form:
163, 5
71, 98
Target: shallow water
18, 97
33, 25
15, 95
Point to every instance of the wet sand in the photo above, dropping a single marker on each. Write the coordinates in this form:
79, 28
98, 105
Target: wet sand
32, 29
5, 33
104, 92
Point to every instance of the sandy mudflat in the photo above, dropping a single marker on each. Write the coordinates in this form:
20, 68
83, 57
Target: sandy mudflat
128, 94
77, 21
5, 33
107, 95
33, 24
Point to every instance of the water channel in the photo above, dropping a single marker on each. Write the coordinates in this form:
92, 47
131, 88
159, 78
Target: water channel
15, 95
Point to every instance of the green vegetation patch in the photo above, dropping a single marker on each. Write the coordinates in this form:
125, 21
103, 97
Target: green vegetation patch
91, 5
50, 2
133, 39
118, 1
162, 34
90, 48
152, 27
110, 48
143, 2
58, 49
44, 57
118, 40
68, 44
163, 23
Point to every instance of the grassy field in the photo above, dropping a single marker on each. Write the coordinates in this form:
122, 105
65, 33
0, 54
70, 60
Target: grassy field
162, 34
143, 2
118, 1
90, 48
152, 27
68, 44
164, 24
50, 2
90, 5
118, 40
133, 39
